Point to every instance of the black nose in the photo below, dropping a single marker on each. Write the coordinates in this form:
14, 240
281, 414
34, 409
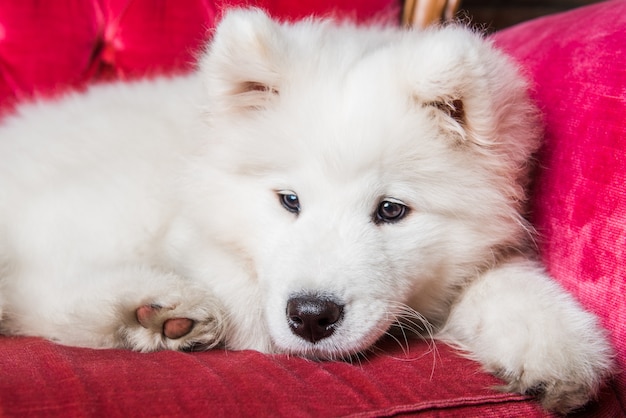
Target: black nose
313, 318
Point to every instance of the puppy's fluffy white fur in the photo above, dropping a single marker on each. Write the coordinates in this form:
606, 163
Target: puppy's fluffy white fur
405, 156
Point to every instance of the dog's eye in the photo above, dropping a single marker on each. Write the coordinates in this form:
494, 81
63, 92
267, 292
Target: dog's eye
390, 212
290, 201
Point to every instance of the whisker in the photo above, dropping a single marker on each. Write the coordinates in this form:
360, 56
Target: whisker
409, 321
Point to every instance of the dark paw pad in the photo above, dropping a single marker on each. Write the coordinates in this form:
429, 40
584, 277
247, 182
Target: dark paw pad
177, 327
152, 317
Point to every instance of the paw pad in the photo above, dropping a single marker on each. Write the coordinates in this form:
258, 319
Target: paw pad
177, 327
152, 316
146, 314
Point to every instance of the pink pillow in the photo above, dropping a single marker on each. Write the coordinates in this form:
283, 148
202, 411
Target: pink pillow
577, 62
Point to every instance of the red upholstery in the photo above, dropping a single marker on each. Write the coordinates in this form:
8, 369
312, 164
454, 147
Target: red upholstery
50, 45
577, 61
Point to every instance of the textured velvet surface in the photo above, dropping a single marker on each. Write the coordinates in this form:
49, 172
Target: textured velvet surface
577, 63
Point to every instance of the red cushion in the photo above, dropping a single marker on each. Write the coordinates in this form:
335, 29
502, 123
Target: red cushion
40, 377
577, 62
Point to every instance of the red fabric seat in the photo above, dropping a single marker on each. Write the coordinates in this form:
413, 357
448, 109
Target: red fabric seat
55, 380
576, 61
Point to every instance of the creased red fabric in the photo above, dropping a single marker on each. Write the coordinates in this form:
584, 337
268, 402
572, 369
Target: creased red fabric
40, 378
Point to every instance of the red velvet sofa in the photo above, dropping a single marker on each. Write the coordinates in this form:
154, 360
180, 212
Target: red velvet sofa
577, 62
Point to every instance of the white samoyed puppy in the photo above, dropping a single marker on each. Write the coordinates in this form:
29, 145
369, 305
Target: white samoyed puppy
310, 186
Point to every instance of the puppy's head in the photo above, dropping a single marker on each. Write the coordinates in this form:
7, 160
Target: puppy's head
375, 170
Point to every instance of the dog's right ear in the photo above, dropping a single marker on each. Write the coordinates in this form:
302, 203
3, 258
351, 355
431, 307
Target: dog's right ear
241, 67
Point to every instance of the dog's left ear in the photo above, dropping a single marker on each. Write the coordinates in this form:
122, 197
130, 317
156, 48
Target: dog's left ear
475, 94
241, 67
453, 108
451, 114
464, 83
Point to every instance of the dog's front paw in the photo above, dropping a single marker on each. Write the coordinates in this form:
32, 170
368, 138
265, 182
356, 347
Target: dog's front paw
191, 323
561, 384
525, 329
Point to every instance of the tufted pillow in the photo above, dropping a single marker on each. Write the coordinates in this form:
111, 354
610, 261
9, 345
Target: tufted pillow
49, 46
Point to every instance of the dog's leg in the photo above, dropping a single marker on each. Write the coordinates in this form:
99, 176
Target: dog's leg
525, 329
134, 307
175, 314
